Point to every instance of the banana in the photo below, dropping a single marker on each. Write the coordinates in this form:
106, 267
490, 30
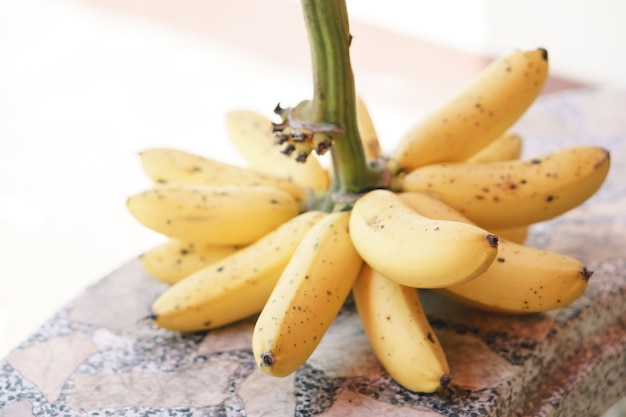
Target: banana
175, 259
234, 287
399, 332
414, 250
165, 165
521, 279
214, 214
367, 130
251, 134
493, 102
515, 193
307, 297
505, 148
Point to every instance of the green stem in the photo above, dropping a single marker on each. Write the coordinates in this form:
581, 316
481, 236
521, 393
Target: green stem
334, 98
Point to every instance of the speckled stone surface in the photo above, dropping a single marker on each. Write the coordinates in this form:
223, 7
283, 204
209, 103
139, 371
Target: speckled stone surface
99, 356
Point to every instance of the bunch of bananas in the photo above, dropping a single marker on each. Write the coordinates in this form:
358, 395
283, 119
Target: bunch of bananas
454, 218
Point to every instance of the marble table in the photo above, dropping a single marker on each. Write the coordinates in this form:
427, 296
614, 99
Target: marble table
100, 356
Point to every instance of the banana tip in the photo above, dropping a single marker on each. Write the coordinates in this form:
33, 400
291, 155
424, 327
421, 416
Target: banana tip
492, 240
267, 359
445, 380
586, 273
152, 317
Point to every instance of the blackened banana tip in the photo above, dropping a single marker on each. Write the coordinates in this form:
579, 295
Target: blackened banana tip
493, 240
152, 317
544, 53
586, 273
267, 359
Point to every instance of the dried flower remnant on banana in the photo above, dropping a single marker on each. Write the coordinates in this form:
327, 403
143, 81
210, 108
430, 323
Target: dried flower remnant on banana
301, 138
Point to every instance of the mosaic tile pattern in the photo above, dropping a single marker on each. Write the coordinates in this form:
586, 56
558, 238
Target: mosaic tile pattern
99, 356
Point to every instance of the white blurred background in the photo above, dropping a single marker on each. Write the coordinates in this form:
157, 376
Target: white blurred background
86, 84
586, 38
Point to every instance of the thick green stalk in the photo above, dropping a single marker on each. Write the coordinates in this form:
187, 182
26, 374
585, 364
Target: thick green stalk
334, 98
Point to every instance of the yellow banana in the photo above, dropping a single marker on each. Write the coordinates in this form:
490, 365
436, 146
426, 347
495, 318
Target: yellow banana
505, 148
521, 279
515, 193
367, 130
215, 214
165, 165
399, 332
234, 287
524, 280
414, 250
251, 134
478, 115
175, 259
307, 297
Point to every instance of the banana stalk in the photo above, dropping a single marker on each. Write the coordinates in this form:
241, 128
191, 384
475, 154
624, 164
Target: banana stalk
329, 120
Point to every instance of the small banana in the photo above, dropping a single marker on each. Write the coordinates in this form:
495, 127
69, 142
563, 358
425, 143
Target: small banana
175, 259
251, 134
524, 280
399, 332
521, 279
515, 193
505, 148
234, 287
478, 115
214, 214
165, 165
367, 130
416, 251
307, 297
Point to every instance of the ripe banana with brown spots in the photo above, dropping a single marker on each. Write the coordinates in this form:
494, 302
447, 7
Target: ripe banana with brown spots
515, 193
522, 279
307, 297
399, 332
214, 214
485, 110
